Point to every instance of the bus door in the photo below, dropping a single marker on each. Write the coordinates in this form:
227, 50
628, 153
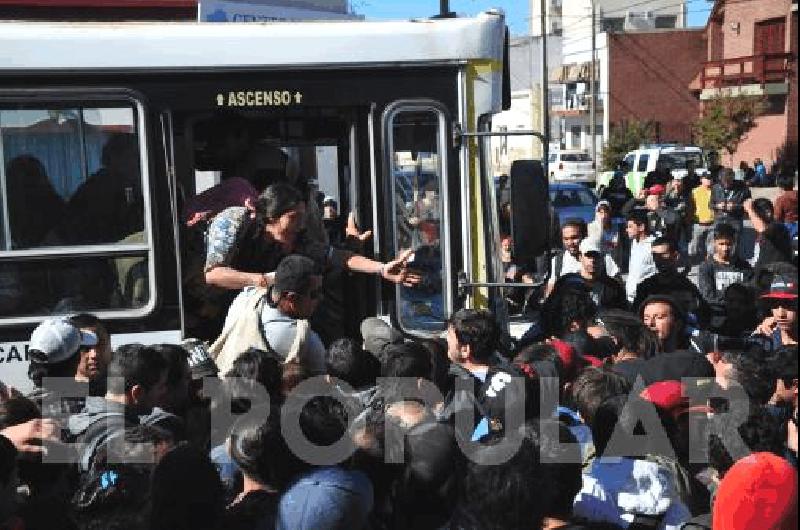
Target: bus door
516, 224
315, 149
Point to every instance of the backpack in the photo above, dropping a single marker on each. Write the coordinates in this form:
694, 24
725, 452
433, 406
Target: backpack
244, 329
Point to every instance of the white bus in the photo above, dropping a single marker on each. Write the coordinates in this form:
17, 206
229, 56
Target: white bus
107, 130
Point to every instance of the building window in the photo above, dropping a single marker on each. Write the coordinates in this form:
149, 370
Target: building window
666, 21
613, 24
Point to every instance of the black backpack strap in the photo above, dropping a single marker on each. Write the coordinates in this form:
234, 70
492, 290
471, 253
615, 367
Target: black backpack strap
646, 522
556, 272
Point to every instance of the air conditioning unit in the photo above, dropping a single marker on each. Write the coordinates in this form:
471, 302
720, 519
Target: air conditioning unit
639, 20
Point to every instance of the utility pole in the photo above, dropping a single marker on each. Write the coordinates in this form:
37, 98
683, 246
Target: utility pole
444, 10
593, 88
545, 91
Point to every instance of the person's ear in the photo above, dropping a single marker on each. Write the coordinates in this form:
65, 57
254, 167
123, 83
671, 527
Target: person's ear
136, 393
465, 352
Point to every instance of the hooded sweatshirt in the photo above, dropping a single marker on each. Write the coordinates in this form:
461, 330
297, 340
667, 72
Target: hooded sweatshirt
617, 490
100, 420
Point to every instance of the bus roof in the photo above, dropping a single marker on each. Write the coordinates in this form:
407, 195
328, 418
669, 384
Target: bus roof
49, 46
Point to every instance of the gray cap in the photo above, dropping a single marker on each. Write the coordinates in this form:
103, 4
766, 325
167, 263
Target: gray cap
377, 335
59, 340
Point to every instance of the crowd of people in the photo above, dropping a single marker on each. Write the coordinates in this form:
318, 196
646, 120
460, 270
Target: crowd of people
637, 399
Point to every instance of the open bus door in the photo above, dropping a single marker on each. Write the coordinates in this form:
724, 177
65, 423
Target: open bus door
529, 227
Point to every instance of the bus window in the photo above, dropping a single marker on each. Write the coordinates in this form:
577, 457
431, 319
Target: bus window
73, 225
416, 185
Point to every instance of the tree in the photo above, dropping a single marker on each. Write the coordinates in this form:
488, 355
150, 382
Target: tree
626, 137
726, 121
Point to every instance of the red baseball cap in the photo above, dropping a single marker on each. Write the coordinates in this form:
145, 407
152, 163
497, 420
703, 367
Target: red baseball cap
782, 288
667, 396
758, 493
658, 189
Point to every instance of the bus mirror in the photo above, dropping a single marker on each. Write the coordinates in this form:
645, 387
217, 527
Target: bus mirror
530, 210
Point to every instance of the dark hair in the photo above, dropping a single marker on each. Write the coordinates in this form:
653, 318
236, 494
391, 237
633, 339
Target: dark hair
408, 359
629, 333
257, 447
639, 217
276, 200
346, 360
177, 361
668, 241
785, 181
439, 361
17, 410
539, 353
187, 492
761, 432
39, 368
752, 370
785, 363
137, 365
593, 386
568, 303
293, 274
575, 222
323, 420
513, 495
85, 320
476, 328
624, 411
562, 467
724, 231
764, 209
8, 460
262, 367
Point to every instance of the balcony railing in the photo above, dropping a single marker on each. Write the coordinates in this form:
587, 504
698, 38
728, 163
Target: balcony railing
738, 71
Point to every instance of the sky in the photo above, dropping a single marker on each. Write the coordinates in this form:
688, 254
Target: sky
517, 11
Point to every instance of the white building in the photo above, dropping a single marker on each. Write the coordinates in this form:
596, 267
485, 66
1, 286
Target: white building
570, 88
525, 56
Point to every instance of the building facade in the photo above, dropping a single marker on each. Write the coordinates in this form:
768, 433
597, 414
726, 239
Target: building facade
571, 82
752, 50
648, 80
526, 112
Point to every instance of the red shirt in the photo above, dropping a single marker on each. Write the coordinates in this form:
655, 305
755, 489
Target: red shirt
786, 207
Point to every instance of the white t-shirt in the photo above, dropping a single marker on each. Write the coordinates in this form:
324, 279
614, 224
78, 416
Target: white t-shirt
641, 265
571, 264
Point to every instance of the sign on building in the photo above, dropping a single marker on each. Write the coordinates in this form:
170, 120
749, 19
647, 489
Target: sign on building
227, 11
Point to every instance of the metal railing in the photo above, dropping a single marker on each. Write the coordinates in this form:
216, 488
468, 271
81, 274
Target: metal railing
738, 71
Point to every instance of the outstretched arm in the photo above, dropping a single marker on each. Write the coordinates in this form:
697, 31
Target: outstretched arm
394, 271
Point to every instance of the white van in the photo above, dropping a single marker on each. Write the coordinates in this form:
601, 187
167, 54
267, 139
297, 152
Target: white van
644, 160
570, 165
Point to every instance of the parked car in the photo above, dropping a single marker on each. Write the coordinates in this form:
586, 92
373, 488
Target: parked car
570, 200
571, 165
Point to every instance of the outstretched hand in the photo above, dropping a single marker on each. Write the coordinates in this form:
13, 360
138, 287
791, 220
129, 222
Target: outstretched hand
27, 437
397, 271
351, 230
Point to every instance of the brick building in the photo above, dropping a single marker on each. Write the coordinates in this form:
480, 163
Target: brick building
648, 80
752, 50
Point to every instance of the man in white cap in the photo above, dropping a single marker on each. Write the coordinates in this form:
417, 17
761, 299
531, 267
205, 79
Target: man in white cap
606, 292
602, 229
54, 351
